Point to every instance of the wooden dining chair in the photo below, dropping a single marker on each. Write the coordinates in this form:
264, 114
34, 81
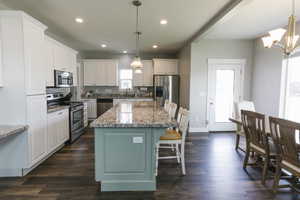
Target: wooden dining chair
285, 135
239, 106
175, 138
257, 140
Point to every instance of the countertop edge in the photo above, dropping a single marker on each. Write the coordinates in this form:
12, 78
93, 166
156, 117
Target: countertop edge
8, 130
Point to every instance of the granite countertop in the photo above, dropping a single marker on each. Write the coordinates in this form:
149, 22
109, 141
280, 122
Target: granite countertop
135, 115
8, 130
56, 108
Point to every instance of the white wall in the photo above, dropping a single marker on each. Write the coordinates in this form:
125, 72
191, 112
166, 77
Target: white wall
200, 53
184, 72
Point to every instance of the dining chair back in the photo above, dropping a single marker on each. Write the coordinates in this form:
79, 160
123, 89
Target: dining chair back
167, 105
285, 134
256, 138
172, 110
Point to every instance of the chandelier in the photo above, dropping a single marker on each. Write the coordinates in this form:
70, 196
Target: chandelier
290, 42
136, 63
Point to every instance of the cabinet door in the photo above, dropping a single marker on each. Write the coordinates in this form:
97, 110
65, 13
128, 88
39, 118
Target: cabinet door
49, 63
90, 72
34, 59
37, 122
92, 108
147, 73
52, 131
165, 66
111, 67
101, 74
61, 57
65, 126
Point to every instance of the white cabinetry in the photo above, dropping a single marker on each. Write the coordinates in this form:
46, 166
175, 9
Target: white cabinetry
37, 122
101, 72
165, 66
85, 114
59, 57
145, 78
58, 129
91, 108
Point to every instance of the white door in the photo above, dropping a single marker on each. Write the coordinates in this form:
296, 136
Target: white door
225, 83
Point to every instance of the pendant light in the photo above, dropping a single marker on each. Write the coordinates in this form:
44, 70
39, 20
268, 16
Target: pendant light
290, 44
136, 63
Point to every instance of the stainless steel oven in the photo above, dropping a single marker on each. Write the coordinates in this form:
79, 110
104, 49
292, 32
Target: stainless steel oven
76, 121
63, 79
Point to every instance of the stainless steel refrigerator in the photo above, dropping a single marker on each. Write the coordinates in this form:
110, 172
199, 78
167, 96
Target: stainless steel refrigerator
166, 87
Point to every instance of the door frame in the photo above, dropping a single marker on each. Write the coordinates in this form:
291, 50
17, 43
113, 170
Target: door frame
211, 63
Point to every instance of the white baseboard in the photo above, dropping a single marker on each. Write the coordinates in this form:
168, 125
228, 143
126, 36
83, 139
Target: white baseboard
198, 130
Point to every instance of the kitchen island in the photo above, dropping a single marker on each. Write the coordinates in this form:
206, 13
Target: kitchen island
125, 138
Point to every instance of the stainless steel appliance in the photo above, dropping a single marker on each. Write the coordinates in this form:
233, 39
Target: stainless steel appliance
63, 79
76, 113
103, 105
166, 87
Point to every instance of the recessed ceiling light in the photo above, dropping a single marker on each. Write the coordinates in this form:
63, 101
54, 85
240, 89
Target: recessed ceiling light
124, 51
163, 22
79, 20
103, 45
155, 46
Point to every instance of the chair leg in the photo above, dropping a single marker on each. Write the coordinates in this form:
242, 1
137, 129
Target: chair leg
277, 177
182, 159
265, 170
177, 154
157, 155
173, 147
246, 159
237, 141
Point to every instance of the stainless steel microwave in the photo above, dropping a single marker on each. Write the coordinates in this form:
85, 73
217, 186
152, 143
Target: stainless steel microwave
63, 79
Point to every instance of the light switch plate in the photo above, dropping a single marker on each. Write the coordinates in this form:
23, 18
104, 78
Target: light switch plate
137, 140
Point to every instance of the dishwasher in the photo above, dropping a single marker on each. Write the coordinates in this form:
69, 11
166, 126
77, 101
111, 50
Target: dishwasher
103, 105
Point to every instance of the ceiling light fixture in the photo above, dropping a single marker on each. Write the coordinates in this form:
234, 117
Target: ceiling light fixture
124, 51
155, 46
136, 63
103, 45
163, 22
79, 20
290, 44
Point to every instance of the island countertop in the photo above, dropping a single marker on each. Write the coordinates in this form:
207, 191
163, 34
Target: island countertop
135, 115
8, 130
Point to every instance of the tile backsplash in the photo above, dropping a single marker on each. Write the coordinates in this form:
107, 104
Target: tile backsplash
113, 90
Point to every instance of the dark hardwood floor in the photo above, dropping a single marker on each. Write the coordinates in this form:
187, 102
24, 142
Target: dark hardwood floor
214, 172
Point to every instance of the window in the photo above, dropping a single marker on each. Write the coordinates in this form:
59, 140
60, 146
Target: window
291, 101
126, 78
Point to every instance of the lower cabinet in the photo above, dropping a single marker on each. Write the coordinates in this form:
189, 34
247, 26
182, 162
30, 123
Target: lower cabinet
37, 131
91, 108
58, 129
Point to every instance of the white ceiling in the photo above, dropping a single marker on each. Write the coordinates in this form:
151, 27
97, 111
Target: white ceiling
113, 21
252, 19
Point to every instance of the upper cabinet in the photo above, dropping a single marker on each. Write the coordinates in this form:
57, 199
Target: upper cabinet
103, 72
145, 78
165, 66
59, 57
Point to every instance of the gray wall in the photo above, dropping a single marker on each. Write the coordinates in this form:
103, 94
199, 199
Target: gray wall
267, 71
266, 79
184, 57
200, 52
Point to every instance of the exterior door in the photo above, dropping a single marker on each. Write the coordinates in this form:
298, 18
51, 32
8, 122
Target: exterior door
225, 83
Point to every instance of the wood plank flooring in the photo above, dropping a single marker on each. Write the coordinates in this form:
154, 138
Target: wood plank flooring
214, 172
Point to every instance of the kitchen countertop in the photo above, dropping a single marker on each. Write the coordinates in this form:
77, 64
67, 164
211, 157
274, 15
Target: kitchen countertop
116, 97
134, 115
8, 130
56, 108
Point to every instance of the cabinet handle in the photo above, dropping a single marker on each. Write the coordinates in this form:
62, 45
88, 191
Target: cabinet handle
60, 113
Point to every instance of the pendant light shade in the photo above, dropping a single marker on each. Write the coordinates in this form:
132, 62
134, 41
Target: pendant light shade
136, 63
290, 42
